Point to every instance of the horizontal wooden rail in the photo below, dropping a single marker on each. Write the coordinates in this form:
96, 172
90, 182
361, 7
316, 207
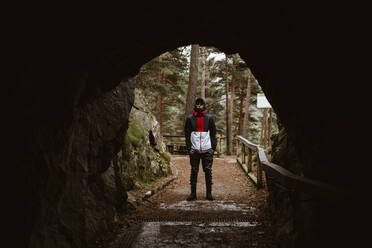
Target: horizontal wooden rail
283, 176
183, 136
174, 136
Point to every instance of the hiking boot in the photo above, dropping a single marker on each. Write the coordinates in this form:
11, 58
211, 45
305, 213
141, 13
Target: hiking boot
209, 192
192, 196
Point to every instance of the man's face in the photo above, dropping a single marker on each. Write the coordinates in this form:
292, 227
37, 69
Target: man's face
199, 105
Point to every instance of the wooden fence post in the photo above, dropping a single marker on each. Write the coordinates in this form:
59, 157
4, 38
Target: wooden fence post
237, 153
259, 172
244, 157
249, 160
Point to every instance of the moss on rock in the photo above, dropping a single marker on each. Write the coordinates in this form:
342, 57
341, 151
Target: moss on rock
135, 133
166, 156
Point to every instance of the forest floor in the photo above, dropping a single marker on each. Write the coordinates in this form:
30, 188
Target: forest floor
236, 218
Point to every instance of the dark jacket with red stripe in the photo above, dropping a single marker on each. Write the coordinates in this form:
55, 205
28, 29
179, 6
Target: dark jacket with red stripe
200, 132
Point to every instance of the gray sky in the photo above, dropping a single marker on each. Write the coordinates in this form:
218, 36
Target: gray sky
217, 56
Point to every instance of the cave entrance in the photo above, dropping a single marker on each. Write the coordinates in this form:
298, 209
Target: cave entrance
161, 98
63, 60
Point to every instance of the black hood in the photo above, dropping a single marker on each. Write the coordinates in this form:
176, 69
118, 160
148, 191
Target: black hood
199, 100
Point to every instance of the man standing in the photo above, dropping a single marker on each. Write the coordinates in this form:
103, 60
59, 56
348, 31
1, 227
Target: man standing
201, 142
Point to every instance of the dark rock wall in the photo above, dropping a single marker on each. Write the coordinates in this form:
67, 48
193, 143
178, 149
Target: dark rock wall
280, 200
76, 201
69, 195
60, 132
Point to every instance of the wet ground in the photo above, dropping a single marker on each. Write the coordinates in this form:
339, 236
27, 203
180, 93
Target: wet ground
236, 218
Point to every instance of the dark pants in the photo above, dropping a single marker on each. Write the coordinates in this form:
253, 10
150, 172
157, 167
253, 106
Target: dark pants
207, 161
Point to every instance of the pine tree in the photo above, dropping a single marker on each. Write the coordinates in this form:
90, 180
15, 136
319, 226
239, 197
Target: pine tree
241, 117
228, 122
247, 104
161, 80
202, 94
193, 79
231, 109
162, 84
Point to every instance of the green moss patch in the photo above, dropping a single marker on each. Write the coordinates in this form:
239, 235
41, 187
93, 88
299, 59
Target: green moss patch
166, 156
135, 133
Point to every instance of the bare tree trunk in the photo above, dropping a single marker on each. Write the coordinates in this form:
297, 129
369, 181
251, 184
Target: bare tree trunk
247, 103
160, 98
270, 127
231, 106
203, 73
193, 79
262, 131
265, 128
241, 111
161, 105
228, 127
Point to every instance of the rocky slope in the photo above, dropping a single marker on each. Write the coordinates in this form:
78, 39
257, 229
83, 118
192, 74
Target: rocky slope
143, 158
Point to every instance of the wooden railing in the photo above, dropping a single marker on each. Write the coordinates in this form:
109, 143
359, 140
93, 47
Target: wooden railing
244, 153
175, 143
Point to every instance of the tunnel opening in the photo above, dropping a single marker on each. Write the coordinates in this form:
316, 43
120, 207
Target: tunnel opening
162, 85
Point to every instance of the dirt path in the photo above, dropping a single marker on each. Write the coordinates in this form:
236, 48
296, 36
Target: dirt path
236, 217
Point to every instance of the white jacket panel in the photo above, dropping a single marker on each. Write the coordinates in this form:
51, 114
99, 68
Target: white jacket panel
200, 141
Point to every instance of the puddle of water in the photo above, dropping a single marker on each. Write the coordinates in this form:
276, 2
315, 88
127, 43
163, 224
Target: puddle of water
152, 232
233, 224
208, 205
175, 223
206, 224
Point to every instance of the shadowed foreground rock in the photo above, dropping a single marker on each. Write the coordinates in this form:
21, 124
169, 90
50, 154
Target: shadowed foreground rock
62, 122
